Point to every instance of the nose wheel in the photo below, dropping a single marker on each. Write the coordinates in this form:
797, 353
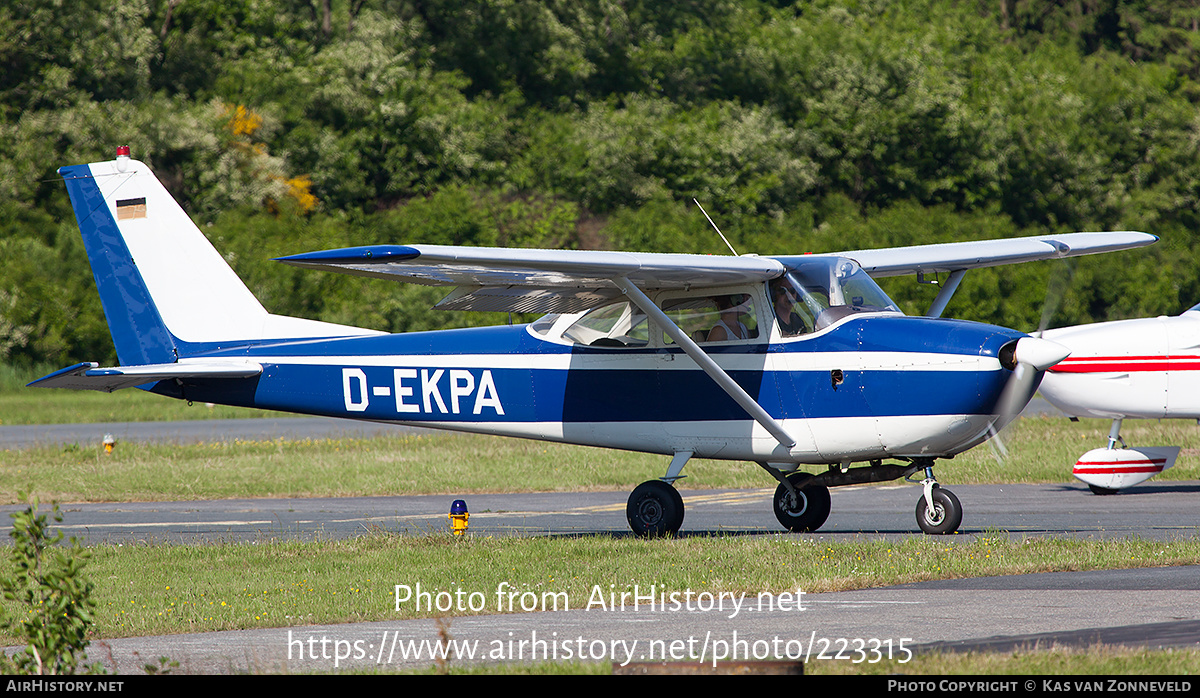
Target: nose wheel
943, 516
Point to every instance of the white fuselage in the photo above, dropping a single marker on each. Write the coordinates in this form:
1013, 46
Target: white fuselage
1147, 368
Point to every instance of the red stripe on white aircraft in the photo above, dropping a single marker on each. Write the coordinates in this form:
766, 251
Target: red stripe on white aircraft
1112, 467
1115, 364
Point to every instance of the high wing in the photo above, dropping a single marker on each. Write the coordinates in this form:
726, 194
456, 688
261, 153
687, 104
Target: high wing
89, 376
976, 254
527, 280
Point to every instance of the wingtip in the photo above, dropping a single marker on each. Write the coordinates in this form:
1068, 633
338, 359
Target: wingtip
76, 368
354, 255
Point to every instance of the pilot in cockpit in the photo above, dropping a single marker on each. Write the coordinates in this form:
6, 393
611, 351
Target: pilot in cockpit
783, 299
794, 316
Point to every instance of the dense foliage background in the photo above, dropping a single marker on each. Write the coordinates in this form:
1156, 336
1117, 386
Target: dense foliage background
286, 126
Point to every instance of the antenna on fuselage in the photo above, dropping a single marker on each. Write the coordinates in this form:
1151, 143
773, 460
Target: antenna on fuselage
714, 225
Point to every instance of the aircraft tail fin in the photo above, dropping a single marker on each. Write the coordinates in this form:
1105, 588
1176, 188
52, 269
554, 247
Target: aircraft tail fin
166, 291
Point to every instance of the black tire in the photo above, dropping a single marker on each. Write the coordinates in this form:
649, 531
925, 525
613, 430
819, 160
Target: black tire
655, 509
946, 515
1102, 491
809, 513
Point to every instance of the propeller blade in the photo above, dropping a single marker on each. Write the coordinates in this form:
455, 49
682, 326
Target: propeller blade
1032, 356
1056, 291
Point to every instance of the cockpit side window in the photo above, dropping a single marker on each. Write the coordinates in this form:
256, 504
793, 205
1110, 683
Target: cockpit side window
795, 311
817, 292
619, 324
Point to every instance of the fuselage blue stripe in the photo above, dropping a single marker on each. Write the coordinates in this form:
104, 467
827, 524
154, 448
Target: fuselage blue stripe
454, 381
537, 395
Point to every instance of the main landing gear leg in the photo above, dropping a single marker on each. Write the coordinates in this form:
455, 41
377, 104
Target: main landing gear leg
1114, 435
938, 510
1114, 438
655, 508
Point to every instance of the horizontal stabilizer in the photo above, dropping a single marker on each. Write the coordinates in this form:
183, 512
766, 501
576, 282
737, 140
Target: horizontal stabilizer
89, 376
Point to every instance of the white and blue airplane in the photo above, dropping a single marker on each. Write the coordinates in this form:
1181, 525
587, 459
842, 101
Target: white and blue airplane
782, 361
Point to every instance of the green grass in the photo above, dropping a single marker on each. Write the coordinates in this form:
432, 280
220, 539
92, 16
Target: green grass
144, 589
1039, 450
148, 589
1043, 449
403, 464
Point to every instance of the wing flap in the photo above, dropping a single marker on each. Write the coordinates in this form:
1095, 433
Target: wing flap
521, 299
90, 376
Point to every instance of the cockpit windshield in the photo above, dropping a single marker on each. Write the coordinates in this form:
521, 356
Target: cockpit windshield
816, 292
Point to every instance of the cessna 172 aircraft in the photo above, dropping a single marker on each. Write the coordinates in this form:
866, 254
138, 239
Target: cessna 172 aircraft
1147, 368
782, 361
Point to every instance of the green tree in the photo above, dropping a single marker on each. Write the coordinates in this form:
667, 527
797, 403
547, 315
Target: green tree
49, 587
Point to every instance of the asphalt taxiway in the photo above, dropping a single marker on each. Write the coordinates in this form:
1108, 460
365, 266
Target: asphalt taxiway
1153, 608
1155, 510
1140, 608
1144, 608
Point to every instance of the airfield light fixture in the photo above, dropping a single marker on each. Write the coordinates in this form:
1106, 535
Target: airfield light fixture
458, 517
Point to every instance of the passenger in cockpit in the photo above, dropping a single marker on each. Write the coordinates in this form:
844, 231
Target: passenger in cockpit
729, 325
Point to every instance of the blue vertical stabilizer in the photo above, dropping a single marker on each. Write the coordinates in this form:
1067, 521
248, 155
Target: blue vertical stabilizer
137, 329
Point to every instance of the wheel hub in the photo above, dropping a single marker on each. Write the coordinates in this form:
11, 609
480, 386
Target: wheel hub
795, 503
650, 512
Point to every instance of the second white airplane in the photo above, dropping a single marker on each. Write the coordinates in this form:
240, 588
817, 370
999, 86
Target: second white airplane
1147, 368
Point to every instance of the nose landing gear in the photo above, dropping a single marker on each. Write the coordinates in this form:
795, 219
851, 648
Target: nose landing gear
938, 510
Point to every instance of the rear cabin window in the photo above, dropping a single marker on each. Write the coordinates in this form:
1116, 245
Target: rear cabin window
719, 318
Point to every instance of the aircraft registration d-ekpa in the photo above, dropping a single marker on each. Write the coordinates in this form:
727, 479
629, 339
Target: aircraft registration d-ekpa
783, 361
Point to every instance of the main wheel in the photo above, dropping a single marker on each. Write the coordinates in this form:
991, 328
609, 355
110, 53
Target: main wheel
1096, 489
655, 509
946, 515
807, 511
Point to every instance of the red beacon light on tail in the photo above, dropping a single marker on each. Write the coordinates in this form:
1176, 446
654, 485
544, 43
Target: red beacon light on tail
122, 157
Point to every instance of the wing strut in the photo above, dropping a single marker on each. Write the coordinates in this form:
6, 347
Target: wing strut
947, 291
705, 362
